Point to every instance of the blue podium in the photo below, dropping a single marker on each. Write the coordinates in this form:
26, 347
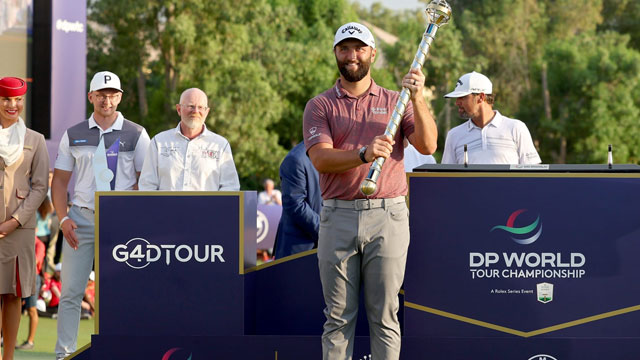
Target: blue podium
524, 262
504, 263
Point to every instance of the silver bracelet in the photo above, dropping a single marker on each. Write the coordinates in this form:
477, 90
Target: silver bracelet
63, 220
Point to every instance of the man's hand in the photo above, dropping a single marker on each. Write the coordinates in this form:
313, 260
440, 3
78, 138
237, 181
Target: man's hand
414, 81
381, 146
69, 231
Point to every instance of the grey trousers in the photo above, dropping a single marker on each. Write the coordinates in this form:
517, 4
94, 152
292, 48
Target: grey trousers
366, 244
76, 266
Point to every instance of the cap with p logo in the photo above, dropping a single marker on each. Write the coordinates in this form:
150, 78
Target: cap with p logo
105, 80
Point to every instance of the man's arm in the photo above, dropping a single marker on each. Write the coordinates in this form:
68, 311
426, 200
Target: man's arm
141, 154
229, 180
326, 159
148, 179
527, 152
59, 185
295, 193
425, 135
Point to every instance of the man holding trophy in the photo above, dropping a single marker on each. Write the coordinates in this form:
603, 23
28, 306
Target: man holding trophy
363, 239
105, 152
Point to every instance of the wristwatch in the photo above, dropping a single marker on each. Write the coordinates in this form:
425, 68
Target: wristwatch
363, 150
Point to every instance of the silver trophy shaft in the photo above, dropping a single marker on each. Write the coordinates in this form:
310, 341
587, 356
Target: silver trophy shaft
369, 185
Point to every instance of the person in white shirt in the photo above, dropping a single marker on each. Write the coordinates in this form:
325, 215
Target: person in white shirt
190, 157
105, 153
491, 138
413, 158
270, 195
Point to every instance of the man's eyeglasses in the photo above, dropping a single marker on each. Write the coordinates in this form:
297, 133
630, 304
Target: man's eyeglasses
111, 98
200, 108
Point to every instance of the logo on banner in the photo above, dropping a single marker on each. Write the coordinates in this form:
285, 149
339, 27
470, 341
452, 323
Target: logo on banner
542, 357
263, 226
169, 354
525, 264
68, 26
522, 235
138, 253
545, 292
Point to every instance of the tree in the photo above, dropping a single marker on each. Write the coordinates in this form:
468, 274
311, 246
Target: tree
623, 16
259, 61
594, 81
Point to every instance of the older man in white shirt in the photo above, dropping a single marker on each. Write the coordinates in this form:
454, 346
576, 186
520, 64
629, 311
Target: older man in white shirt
190, 157
491, 138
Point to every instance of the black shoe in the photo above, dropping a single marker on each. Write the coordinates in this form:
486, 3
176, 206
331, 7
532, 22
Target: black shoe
25, 346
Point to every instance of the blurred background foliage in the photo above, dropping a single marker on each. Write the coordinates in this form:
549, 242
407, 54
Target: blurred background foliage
568, 68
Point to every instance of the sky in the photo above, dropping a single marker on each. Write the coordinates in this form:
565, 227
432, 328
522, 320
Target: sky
393, 4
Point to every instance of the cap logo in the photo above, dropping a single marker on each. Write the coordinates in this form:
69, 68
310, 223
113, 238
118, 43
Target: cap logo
107, 78
351, 27
460, 82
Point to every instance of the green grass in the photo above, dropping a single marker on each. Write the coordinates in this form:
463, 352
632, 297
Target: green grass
45, 341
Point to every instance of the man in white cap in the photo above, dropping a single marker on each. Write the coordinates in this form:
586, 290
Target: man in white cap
105, 152
490, 137
363, 240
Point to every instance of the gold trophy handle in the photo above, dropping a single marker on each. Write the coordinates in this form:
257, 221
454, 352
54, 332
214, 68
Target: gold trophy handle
438, 14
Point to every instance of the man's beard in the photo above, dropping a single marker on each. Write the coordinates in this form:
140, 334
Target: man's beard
354, 76
465, 115
192, 123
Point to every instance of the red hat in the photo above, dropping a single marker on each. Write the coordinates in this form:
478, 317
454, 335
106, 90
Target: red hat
12, 86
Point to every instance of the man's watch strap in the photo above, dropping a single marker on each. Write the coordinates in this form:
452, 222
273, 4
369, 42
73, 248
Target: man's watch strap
363, 150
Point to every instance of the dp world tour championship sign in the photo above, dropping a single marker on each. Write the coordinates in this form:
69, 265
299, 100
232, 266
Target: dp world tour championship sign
503, 266
511, 259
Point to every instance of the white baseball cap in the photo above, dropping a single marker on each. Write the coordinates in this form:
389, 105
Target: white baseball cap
471, 83
354, 30
105, 80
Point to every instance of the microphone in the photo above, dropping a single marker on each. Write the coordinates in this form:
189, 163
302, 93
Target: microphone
466, 156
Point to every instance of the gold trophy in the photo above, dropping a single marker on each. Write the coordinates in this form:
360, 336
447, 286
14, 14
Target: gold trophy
438, 14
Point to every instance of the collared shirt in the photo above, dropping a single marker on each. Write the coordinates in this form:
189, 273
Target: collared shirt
264, 198
502, 141
204, 163
347, 123
413, 158
79, 143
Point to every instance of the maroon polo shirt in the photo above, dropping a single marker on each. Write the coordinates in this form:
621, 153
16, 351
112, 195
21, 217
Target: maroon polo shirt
348, 122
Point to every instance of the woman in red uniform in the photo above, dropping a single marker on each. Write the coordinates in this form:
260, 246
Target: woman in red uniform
24, 168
